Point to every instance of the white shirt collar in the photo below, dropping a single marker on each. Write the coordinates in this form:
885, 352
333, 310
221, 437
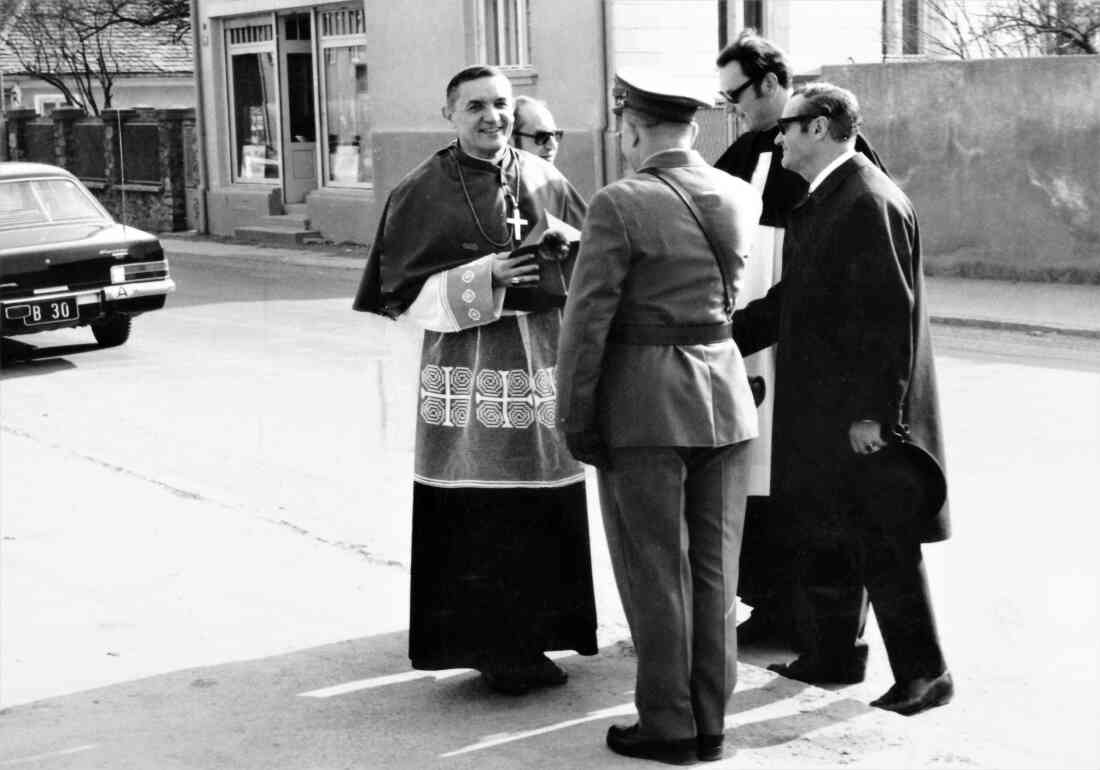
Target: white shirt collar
837, 162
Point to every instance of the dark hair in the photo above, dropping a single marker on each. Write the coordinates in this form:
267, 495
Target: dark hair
757, 57
839, 104
476, 72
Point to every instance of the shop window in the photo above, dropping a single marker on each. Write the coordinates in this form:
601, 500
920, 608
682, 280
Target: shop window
346, 98
503, 32
255, 106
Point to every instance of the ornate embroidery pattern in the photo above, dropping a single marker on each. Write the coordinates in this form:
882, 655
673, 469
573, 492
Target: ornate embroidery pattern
503, 398
445, 395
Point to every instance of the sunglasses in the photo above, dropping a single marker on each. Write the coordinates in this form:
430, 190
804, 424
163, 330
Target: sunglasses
542, 137
734, 96
802, 120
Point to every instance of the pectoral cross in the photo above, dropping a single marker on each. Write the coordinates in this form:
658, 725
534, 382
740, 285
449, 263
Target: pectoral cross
516, 221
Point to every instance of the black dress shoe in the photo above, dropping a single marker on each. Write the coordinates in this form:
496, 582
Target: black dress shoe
627, 741
708, 748
917, 695
505, 680
543, 672
518, 677
817, 671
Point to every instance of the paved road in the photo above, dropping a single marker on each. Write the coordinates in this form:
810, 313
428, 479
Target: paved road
210, 525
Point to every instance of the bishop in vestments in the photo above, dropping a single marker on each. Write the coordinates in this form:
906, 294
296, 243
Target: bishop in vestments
501, 571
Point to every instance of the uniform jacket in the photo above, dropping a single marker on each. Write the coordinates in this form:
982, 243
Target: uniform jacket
851, 324
644, 260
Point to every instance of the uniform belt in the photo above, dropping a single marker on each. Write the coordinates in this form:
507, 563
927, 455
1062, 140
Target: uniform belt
652, 334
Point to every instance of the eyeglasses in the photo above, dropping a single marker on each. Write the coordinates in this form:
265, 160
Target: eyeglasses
734, 96
802, 120
542, 137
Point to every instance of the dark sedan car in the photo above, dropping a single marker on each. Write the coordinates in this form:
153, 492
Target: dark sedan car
65, 262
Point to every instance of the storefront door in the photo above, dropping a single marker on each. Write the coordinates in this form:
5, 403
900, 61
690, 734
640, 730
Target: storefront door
299, 114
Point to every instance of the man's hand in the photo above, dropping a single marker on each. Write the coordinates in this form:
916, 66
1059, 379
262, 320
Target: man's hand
865, 437
588, 447
514, 271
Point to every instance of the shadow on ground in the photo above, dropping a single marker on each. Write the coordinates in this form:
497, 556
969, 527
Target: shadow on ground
356, 704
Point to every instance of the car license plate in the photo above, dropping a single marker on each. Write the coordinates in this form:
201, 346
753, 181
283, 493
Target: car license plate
51, 311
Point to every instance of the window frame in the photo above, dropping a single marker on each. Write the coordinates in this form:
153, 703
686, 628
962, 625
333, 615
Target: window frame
321, 42
264, 46
521, 71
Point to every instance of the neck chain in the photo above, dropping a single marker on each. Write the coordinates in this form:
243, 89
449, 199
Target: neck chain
509, 197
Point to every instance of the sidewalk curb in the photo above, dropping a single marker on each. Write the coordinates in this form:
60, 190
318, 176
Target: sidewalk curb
1016, 326
182, 249
186, 248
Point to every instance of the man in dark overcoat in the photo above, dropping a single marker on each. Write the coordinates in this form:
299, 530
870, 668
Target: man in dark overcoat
757, 80
857, 457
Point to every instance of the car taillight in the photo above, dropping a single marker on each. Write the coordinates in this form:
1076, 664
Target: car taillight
138, 271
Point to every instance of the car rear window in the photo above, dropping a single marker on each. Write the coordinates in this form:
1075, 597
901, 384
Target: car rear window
27, 202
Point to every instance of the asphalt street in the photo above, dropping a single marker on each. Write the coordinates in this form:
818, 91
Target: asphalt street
205, 540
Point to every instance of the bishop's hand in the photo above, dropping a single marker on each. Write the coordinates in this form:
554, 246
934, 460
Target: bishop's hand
522, 270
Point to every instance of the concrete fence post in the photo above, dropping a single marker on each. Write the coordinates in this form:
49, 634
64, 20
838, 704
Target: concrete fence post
63, 119
17, 131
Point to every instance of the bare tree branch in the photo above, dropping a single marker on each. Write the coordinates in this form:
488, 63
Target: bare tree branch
71, 44
1013, 28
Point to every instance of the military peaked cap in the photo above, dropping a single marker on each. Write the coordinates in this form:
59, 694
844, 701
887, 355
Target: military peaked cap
660, 95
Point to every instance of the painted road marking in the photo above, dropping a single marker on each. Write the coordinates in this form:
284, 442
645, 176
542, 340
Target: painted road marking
406, 676
382, 681
48, 755
615, 711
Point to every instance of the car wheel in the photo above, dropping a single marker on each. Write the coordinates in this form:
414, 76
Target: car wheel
112, 330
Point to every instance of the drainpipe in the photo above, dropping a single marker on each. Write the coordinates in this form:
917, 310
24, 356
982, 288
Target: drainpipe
608, 155
3, 116
200, 115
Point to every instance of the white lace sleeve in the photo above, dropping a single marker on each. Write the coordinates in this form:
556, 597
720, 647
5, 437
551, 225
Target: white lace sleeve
459, 298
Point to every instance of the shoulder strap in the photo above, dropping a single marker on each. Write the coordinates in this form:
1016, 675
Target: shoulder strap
700, 220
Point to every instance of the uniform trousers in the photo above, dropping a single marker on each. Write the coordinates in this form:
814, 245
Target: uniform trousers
673, 518
867, 543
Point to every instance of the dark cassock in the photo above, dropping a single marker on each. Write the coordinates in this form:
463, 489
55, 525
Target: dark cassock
500, 549
765, 557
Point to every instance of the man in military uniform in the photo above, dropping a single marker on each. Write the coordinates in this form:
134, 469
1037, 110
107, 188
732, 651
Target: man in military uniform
653, 392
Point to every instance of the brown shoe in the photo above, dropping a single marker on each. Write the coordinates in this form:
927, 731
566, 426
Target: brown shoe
917, 695
627, 741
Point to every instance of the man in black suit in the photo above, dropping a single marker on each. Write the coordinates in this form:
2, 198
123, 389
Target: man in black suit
857, 459
757, 79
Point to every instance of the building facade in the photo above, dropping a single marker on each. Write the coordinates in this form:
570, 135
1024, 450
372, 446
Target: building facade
320, 108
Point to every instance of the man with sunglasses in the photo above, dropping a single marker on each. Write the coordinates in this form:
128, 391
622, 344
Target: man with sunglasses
535, 129
857, 445
756, 81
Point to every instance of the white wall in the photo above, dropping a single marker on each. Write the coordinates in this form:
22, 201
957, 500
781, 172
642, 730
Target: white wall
680, 37
819, 32
127, 92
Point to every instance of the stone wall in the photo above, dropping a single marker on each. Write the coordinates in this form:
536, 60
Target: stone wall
141, 181
1001, 158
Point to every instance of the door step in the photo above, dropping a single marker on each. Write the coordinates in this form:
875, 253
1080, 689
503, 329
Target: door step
278, 235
